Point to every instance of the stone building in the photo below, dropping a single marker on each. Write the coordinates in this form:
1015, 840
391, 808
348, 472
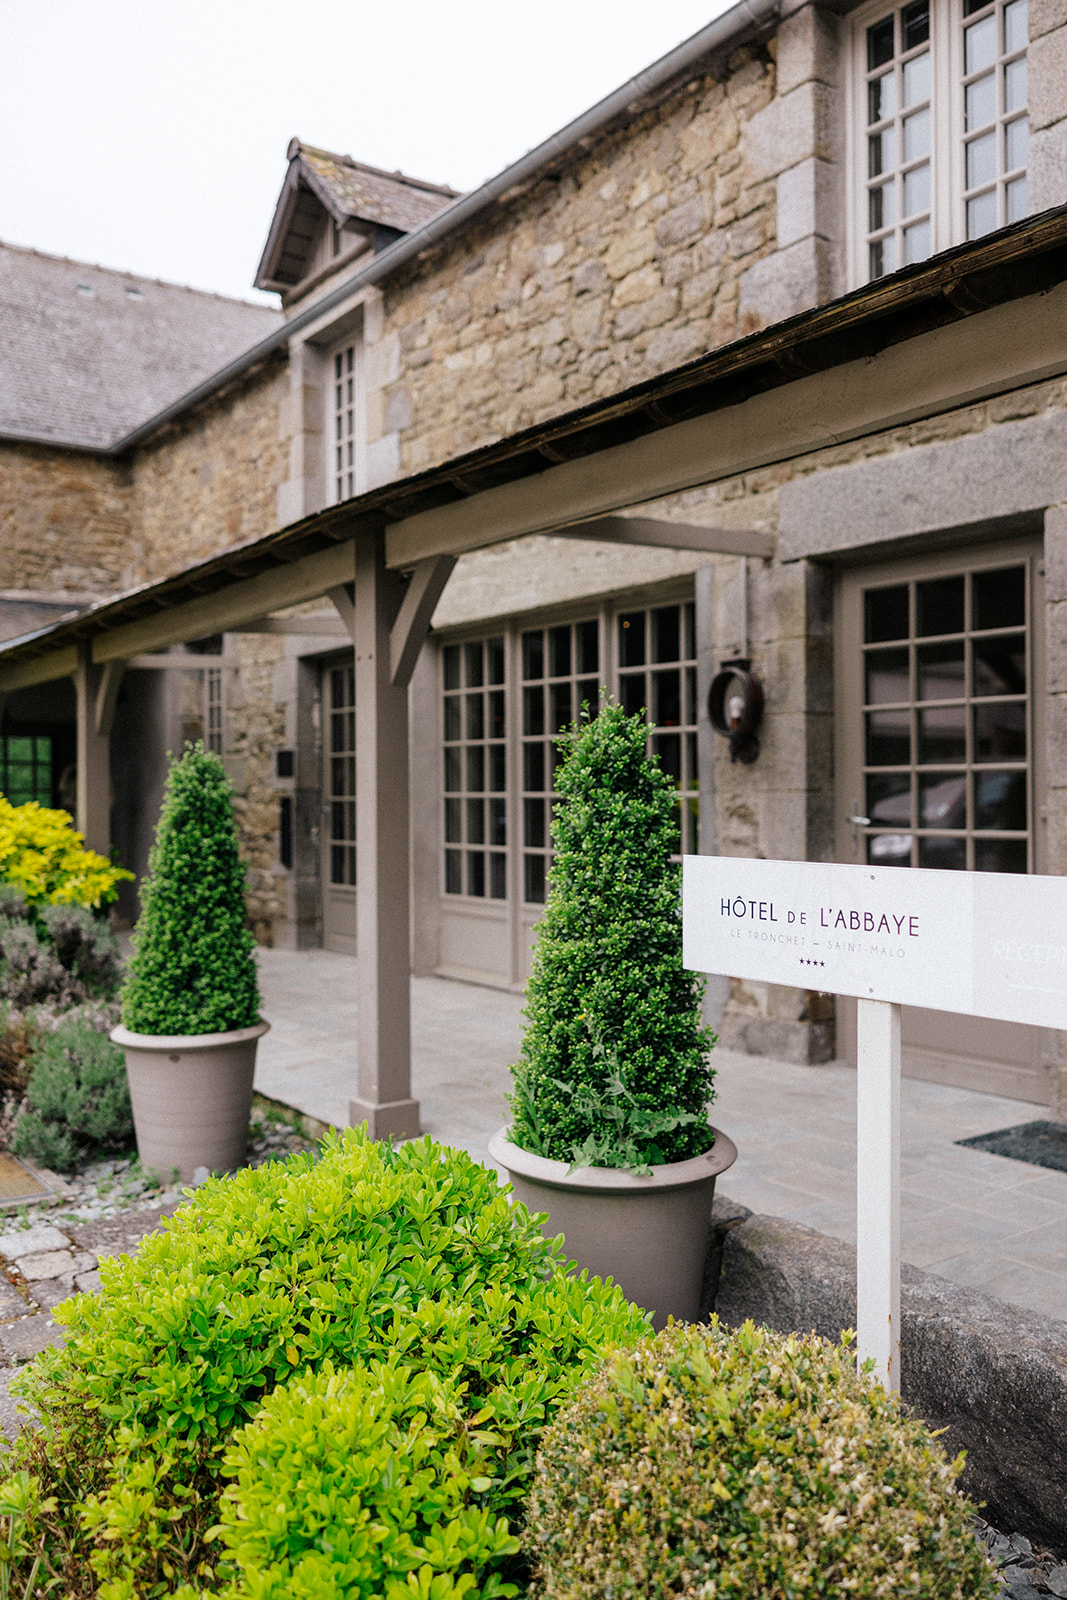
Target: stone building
763, 358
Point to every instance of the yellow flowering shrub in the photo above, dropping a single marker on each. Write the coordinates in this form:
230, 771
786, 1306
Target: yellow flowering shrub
43, 857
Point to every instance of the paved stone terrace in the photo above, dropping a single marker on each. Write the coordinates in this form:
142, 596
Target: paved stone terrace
45, 1264
981, 1220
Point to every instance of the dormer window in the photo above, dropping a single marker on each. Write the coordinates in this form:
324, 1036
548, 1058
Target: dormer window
330, 209
939, 128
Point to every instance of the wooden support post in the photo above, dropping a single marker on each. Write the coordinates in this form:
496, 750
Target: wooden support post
384, 1099
93, 811
878, 1189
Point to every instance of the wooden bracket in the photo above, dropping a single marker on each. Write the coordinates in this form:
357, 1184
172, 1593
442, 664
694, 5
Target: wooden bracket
343, 597
107, 695
412, 624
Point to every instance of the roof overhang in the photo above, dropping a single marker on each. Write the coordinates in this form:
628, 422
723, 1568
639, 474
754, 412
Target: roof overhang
979, 320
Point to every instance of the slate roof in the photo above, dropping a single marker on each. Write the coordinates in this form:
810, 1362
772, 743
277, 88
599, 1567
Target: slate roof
368, 194
86, 353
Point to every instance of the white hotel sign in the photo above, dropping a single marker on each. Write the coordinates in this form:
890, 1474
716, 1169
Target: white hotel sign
986, 944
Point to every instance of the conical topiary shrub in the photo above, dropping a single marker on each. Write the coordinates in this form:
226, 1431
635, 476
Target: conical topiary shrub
614, 1067
193, 969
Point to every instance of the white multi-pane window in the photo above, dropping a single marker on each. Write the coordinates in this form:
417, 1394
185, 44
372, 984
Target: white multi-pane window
939, 127
340, 775
213, 709
475, 769
899, 138
996, 126
505, 699
345, 422
947, 748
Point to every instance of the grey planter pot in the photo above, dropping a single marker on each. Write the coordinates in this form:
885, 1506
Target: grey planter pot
192, 1096
649, 1234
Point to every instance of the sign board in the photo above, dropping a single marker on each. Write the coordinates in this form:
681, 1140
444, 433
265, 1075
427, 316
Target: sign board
988, 944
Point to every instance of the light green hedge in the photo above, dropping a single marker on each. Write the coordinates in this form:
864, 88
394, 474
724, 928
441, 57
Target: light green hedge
397, 1288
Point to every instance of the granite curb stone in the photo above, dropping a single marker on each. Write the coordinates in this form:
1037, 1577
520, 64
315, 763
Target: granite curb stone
992, 1375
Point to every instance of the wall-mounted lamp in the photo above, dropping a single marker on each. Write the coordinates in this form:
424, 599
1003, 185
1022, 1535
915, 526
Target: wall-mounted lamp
735, 706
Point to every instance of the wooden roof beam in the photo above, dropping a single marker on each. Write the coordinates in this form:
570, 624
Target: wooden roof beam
310, 578
321, 623
1005, 348
673, 536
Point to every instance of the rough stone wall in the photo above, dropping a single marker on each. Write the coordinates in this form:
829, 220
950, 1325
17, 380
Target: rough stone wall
992, 1375
630, 263
212, 480
1047, 63
65, 522
254, 727
207, 483
715, 213
782, 806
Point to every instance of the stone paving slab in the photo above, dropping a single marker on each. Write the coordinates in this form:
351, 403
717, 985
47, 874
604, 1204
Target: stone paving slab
116, 1236
54, 1264
12, 1302
21, 1341
31, 1241
12, 1418
52, 1292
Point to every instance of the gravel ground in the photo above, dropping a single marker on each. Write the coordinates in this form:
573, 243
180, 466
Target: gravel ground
115, 1188
1024, 1570
51, 1249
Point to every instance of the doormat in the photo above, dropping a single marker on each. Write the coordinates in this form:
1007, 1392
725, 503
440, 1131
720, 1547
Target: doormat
1042, 1144
18, 1182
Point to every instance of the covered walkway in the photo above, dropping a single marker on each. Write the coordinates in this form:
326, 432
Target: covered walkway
979, 1219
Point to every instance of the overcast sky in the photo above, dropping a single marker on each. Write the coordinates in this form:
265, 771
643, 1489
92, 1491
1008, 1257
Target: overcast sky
150, 135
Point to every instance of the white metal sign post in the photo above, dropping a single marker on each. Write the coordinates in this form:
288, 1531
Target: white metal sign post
982, 943
878, 1188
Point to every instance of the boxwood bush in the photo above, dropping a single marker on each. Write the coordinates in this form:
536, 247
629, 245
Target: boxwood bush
170, 1416
194, 967
614, 1068
317, 1508
723, 1466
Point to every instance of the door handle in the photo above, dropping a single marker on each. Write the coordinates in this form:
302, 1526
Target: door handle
857, 822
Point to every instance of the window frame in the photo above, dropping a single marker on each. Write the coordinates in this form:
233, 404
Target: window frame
850, 650
607, 613
948, 214
346, 477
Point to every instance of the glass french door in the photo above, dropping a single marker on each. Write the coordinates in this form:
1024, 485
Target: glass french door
504, 697
940, 672
338, 831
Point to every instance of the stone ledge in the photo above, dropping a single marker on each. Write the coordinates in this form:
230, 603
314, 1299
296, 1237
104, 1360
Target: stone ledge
992, 1375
